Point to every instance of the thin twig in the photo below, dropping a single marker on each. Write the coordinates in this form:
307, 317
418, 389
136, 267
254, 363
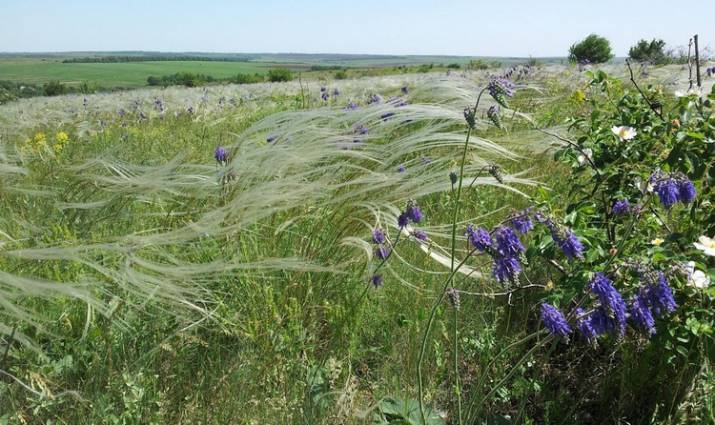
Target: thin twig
652, 105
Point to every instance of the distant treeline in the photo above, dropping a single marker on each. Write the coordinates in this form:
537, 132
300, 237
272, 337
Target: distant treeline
120, 59
190, 79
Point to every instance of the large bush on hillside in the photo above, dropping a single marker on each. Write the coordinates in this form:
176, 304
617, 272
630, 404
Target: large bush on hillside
649, 51
592, 49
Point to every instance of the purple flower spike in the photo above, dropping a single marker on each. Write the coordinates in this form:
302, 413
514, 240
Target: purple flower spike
479, 238
610, 299
621, 207
508, 244
668, 191
420, 235
554, 321
641, 315
414, 213
660, 296
522, 223
376, 280
382, 252
221, 155
506, 269
403, 220
686, 191
378, 236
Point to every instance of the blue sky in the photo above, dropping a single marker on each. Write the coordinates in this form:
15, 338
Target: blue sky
459, 27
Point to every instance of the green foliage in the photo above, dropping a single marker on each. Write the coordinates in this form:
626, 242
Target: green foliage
340, 75
592, 49
54, 88
276, 75
185, 79
247, 78
649, 51
454, 66
395, 411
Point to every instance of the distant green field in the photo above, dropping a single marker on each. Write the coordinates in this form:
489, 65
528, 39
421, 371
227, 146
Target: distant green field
37, 71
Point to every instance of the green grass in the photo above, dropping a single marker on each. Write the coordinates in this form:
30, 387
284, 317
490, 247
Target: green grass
117, 74
201, 301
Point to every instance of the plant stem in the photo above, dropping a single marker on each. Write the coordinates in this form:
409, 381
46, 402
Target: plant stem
440, 298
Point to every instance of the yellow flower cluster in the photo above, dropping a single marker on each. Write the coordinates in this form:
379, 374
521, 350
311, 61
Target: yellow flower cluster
61, 139
39, 143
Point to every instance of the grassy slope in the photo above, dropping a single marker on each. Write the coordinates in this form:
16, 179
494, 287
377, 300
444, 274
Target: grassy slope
250, 361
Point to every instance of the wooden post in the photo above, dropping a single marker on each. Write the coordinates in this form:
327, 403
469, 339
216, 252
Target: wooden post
697, 61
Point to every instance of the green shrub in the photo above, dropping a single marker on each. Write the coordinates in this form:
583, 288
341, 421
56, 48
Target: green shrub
592, 49
54, 88
649, 51
341, 75
276, 75
247, 79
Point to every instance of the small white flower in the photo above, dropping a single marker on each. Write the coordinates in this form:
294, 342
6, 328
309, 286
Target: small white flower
624, 133
583, 158
706, 244
690, 92
696, 278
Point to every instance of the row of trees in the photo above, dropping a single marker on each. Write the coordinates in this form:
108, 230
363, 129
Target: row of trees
190, 79
597, 49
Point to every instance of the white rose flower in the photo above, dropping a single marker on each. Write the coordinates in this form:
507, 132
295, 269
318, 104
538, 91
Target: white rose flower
624, 133
706, 244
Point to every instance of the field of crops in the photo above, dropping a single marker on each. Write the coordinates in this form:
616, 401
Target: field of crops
303, 252
131, 74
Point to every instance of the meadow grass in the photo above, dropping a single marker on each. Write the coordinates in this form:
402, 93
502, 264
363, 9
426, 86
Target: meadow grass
147, 284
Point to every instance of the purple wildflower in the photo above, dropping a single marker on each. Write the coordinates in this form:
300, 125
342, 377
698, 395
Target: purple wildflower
382, 252
420, 235
404, 89
621, 207
522, 223
668, 191
221, 154
401, 169
686, 191
500, 88
493, 115
325, 96
508, 244
479, 238
660, 296
569, 244
323, 89
271, 138
336, 92
351, 106
584, 325
378, 236
414, 212
361, 129
601, 322
376, 280
554, 320
403, 220
505, 269
610, 299
387, 115
641, 315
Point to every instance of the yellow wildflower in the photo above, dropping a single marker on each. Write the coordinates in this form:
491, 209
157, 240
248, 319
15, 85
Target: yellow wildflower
657, 241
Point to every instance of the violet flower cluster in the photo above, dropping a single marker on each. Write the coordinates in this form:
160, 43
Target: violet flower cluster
672, 188
610, 314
